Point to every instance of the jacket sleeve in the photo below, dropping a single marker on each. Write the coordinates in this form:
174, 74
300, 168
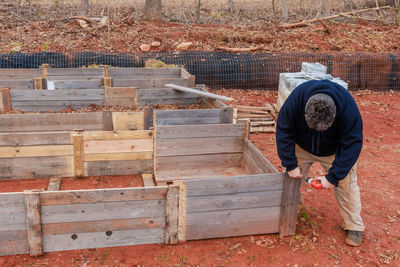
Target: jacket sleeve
286, 134
350, 145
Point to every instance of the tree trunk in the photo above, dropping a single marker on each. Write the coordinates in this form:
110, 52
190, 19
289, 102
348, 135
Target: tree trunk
84, 7
285, 11
152, 10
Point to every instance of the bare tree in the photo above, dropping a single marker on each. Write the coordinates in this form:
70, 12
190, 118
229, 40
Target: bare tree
84, 7
231, 6
152, 10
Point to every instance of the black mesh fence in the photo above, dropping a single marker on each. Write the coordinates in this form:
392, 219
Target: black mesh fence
375, 71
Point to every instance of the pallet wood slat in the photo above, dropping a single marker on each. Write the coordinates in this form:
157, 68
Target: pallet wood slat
195, 146
57, 96
128, 121
258, 157
77, 84
78, 154
5, 100
51, 122
87, 196
119, 156
226, 115
234, 201
163, 93
101, 239
103, 226
36, 167
79, 72
14, 84
149, 82
12, 212
238, 184
30, 139
117, 135
187, 117
132, 72
36, 151
11, 73
148, 179
33, 223
148, 118
107, 121
118, 146
172, 214
13, 242
103, 211
122, 167
228, 223
198, 92
121, 96
197, 131
290, 202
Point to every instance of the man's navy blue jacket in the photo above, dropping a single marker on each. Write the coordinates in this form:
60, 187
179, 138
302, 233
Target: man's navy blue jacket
344, 138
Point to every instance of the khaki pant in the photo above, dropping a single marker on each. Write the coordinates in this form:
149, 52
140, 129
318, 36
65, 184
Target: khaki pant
347, 193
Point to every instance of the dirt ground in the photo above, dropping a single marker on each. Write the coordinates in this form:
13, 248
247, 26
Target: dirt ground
319, 240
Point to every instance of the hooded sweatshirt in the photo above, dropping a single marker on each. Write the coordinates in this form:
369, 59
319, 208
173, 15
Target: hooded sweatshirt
343, 139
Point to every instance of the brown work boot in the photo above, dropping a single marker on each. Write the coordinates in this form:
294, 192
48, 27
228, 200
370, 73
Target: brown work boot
354, 238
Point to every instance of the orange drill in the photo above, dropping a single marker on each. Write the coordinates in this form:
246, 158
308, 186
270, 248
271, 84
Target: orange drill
314, 183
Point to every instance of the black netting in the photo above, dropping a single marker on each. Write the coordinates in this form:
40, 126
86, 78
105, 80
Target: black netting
375, 71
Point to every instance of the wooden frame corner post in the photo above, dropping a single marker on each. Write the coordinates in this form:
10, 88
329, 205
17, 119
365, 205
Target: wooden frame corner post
77, 139
172, 214
289, 205
33, 222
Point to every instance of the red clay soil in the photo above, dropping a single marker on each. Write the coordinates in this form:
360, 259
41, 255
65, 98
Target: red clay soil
319, 240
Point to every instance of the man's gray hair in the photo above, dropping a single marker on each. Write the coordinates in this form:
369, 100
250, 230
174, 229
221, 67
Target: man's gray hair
320, 112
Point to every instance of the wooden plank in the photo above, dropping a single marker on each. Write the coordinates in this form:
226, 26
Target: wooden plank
117, 135
188, 121
198, 92
226, 115
196, 146
17, 84
12, 212
152, 72
44, 68
118, 146
102, 226
181, 210
128, 121
163, 93
79, 72
167, 101
19, 73
227, 223
13, 242
101, 239
51, 106
237, 184
51, 122
186, 117
77, 139
234, 201
54, 184
5, 100
148, 118
103, 211
171, 214
196, 131
30, 139
262, 123
149, 82
108, 82
121, 96
180, 163
33, 223
289, 205
60, 95
107, 121
38, 83
262, 129
186, 75
38, 167
256, 155
119, 156
148, 179
119, 167
86, 196
36, 151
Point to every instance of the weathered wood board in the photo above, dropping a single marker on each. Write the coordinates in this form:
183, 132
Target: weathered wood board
165, 96
187, 117
144, 72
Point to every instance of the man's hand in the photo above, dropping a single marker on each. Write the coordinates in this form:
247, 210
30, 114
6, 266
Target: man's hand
295, 173
325, 183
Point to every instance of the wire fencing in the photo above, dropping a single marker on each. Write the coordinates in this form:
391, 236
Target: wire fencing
374, 71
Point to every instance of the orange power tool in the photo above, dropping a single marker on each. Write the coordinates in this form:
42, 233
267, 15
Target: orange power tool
314, 183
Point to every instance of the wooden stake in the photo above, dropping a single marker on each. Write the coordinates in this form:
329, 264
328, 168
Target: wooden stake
289, 205
44, 70
148, 179
38, 83
107, 82
77, 139
172, 213
54, 184
148, 118
226, 115
33, 222
107, 121
5, 98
